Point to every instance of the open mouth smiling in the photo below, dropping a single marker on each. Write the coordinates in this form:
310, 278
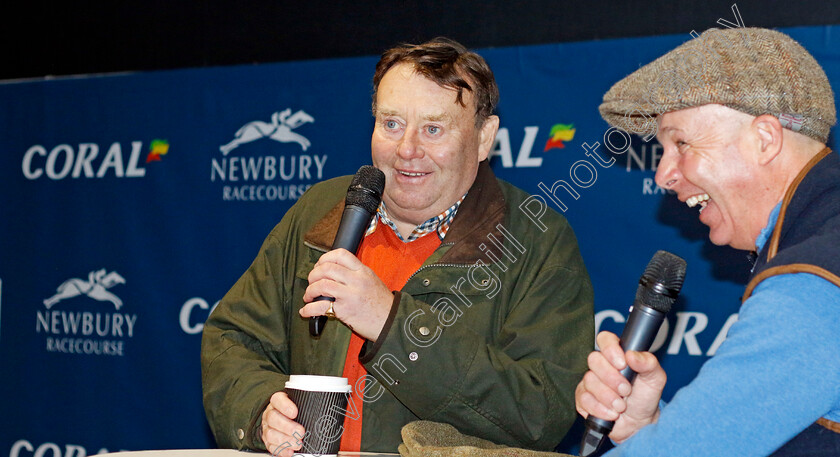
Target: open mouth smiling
412, 174
699, 199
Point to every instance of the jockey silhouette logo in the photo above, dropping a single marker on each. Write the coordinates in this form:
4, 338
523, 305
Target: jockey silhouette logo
279, 129
95, 287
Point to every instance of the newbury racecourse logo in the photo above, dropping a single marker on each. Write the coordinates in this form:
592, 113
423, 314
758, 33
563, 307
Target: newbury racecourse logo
95, 288
280, 129
255, 170
86, 332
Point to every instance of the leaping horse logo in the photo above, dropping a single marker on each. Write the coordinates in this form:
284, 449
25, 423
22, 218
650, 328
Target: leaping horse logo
279, 129
95, 288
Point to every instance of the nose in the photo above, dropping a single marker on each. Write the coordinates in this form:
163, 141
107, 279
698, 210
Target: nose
667, 171
408, 147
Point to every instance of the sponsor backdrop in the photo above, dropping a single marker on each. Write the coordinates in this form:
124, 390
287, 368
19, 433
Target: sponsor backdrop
130, 203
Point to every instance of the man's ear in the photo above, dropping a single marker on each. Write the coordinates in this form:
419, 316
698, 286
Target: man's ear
487, 136
769, 137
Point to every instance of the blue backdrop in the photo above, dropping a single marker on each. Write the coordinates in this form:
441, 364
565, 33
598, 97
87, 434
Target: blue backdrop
130, 203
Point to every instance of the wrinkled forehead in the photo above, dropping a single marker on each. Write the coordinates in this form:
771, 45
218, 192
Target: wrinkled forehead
441, 100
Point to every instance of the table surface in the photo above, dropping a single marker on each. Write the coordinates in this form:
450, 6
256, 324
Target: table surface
214, 453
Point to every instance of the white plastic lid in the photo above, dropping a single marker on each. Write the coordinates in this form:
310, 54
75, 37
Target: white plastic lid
314, 383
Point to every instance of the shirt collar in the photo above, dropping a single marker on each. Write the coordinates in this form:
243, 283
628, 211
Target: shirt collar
439, 223
767, 231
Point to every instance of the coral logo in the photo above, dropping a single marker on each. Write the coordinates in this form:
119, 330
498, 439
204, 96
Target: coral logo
503, 146
95, 288
25, 448
559, 133
85, 160
158, 148
279, 129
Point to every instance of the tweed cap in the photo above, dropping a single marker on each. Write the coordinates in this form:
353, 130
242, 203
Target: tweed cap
752, 70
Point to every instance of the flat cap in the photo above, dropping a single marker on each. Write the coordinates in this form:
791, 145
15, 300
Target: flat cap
752, 70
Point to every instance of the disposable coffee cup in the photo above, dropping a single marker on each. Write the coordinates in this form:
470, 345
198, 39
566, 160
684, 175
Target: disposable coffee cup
322, 404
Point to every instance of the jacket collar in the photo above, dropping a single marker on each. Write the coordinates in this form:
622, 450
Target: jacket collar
479, 216
781, 229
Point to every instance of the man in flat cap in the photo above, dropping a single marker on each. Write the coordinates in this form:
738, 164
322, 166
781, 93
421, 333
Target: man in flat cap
743, 116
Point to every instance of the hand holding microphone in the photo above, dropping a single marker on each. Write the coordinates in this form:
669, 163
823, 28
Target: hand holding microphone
599, 396
363, 198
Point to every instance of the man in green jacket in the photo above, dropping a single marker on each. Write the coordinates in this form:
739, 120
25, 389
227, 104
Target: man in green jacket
489, 333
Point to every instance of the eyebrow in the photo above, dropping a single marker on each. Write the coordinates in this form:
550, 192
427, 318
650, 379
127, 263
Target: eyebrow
442, 117
437, 117
667, 129
384, 112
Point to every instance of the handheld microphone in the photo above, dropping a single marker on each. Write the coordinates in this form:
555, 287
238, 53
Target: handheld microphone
363, 197
658, 289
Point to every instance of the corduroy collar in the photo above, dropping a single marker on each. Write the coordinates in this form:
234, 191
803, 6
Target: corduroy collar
479, 215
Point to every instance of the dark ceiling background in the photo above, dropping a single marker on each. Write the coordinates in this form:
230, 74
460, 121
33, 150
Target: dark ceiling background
46, 38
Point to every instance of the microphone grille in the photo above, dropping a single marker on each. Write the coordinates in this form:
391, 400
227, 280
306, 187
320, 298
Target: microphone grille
366, 188
662, 281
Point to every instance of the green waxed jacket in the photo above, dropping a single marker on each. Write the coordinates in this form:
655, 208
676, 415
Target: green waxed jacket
491, 335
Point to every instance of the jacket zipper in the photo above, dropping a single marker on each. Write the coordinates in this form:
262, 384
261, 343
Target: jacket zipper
437, 265
317, 248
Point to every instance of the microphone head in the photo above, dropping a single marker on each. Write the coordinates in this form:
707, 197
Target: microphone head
366, 189
661, 282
